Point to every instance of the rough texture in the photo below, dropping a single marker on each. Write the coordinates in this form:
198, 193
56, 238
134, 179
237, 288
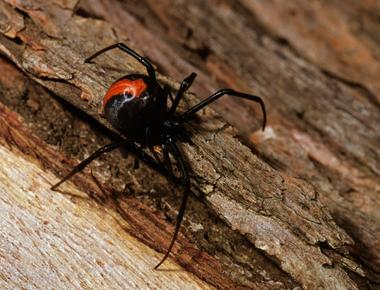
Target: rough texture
132, 214
55, 239
323, 120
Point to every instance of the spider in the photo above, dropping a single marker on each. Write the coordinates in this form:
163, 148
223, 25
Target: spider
136, 105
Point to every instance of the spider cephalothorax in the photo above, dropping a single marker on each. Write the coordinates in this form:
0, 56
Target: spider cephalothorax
137, 106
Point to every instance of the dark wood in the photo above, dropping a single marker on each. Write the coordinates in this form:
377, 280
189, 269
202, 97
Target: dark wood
317, 72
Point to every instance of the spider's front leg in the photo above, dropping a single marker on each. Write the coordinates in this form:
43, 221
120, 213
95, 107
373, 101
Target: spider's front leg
88, 160
185, 85
131, 52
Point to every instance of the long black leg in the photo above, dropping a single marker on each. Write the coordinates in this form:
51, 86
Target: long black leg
185, 85
167, 161
168, 93
123, 47
190, 113
139, 152
87, 161
181, 212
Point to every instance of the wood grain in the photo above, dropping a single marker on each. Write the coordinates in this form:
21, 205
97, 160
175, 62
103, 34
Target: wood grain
323, 119
64, 239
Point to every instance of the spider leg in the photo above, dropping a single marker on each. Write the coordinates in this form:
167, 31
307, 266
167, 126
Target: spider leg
155, 154
167, 92
185, 85
171, 96
147, 159
85, 162
151, 146
181, 212
167, 161
123, 47
190, 113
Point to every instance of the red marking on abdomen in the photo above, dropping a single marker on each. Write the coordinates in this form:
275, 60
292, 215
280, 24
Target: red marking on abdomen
134, 88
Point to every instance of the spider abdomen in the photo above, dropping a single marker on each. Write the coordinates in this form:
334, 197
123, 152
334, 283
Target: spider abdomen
130, 104
132, 88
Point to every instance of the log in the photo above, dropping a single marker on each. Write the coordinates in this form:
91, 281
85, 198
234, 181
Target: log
280, 216
130, 215
66, 241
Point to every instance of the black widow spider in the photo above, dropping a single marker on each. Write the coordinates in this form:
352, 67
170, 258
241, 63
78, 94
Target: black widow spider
137, 106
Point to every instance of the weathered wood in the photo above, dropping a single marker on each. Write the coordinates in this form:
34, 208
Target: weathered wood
317, 66
48, 238
280, 215
140, 219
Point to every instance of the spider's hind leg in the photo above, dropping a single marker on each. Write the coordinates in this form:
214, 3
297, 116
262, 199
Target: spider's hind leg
173, 148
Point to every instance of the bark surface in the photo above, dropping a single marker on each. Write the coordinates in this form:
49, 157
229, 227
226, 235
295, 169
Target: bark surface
295, 205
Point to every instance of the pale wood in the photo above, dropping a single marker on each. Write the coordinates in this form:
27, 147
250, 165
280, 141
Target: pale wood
280, 215
52, 239
142, 220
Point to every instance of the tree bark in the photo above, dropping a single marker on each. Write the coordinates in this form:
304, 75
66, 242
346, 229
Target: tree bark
323, 127
43, 232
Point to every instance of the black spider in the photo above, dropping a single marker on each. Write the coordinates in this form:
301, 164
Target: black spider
137, 106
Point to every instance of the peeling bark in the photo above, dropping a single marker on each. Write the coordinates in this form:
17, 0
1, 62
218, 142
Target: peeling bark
44, 233
323, 120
